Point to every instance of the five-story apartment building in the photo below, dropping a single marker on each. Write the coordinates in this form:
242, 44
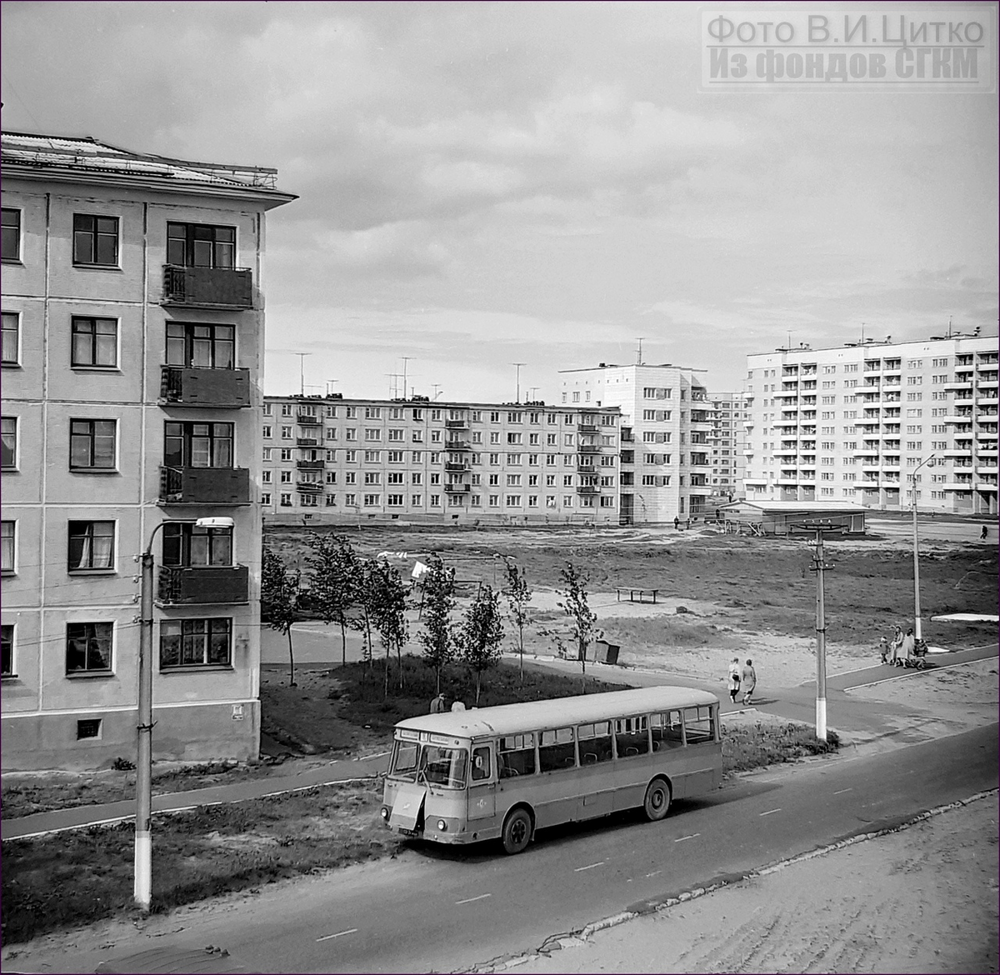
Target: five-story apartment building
335, 459
132, 347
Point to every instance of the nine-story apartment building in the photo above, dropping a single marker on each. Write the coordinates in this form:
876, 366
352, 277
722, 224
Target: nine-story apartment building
132, 348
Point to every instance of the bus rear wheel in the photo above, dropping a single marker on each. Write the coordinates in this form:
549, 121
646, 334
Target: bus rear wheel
516, 831
657, 801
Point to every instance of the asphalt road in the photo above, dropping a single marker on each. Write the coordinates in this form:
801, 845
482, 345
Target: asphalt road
443, 909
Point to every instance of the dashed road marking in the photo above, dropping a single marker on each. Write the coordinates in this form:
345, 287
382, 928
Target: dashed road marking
681, 839
339, 934
840, 792
768, 813
469, 900
589, 866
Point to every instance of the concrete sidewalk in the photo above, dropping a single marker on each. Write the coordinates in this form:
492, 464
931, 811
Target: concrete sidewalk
855, 719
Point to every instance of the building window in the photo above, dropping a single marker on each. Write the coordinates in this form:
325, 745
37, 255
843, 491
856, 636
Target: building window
8, 443
201, 346
373, 500
11, 338
11, 234
92, 445
265, 499
88, 647
200, 245
198, 444
187, 545
195, 643
7, 544
95, 342
91, 546
7, 650
95, 240
88, 728
286, 501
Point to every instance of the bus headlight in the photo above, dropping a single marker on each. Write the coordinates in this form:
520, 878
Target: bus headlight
442, 826
384, 812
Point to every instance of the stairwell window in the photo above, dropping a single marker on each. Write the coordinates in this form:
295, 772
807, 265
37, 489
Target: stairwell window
11, 338
95, 240
11, 234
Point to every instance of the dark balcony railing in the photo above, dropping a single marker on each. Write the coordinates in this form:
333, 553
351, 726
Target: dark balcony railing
456, 424
306, 442
456, 488
587, 489
310, 465
589, 448
585, 469
179, 586
308, 487
305, 419
457, 445
208, 287
457, 467
204, 485
587, 428
217, 388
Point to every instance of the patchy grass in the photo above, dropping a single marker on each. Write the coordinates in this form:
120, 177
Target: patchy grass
80, 877
746, 747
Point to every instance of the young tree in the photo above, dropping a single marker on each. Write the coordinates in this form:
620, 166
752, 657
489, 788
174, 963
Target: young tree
336, 581
574, 605
481, 633
366, 601
387, 610
518, 594
438, 637
279, 598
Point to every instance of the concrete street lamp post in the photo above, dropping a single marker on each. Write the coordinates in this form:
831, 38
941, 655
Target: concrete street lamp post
143, 888
917, 621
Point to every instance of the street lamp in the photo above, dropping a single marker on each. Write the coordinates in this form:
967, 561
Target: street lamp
143, 888
916, 552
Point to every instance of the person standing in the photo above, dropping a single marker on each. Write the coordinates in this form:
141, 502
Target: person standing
749, 681
908, 645
983, 532
895, 644
734, 679
438, 704
883, 649
677, 523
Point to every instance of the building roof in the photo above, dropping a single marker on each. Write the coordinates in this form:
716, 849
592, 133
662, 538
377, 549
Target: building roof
813, 507
87, 159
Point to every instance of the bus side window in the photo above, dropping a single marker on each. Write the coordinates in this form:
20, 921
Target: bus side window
595, 742
517, 756
480, 763
631, 736
698, 725
556, 750
666, 729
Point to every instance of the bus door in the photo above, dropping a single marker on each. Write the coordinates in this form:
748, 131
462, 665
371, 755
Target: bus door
483, 783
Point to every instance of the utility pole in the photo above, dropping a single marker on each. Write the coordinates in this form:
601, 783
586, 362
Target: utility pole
917, 621
638, 353
517, 367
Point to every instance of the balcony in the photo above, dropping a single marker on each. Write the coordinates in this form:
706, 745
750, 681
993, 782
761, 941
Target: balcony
958, 417
461, 445
214, 388
308, 487
586, 469
456, 467
456, 488
306, 442
587, 429
456, 424
588, 448
958, 485
959, 383
204, 485
208, 287
588, 489
183, 586
310, 465
307, 420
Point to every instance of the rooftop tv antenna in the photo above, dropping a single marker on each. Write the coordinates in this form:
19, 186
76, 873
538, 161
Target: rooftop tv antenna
638, 352
517, 367
406, 359
302, 374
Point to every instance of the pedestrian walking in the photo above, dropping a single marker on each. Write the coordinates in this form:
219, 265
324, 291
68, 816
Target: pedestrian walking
983, 532
749, 681
907, 647
438, 704
734, 679
677, 523
895, 644
883, 649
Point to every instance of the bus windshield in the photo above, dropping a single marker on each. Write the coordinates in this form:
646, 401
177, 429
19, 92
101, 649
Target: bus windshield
433, 763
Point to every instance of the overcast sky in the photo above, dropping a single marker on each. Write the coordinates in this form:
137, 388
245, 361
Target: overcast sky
482, 184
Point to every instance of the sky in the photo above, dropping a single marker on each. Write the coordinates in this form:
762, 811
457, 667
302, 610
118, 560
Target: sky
485, 184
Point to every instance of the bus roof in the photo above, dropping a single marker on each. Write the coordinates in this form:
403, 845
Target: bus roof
509, 719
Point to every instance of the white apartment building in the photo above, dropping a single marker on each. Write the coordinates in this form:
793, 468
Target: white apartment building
856, 422
132, 342
345, 460
666, 426
728, 441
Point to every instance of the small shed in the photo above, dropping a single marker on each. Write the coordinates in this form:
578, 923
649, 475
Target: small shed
782, 517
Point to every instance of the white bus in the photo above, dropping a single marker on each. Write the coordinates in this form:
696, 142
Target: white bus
480, 774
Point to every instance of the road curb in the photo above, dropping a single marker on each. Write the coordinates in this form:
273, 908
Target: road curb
656, 905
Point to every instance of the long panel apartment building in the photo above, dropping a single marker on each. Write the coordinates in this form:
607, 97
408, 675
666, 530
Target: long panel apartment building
667, 425
856, 422
341, 460
132, 346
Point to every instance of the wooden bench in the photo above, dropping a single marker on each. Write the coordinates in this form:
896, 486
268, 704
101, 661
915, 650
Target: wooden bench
637, 594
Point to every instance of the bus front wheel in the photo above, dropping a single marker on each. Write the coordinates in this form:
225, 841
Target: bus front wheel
516, 831
657, 801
